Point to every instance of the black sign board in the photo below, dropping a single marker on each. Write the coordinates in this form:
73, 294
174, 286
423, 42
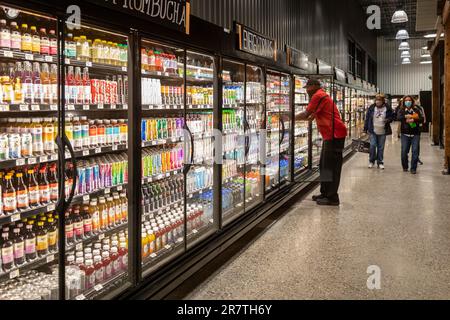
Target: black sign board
324, 68
255, 43
340, 75
296, 58
358, 82
173, 14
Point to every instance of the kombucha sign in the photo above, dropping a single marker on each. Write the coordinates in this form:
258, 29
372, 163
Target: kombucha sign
256, 44
174, 14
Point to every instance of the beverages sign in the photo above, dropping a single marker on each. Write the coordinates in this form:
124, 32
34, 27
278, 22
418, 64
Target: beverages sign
296, 58
256, 44
174, 14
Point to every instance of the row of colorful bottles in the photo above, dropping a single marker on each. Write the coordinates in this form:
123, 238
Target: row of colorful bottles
85, 134
233, 93
24, 137
197, 95
101, 172
21, 192
203, 150
162, 128
31, 285
26, 82
27, 240
158, 61
96, 264
28, 40
95, 216
162, 160
199, 179
229, 169
233, 119
200, 123
97, 51
157, 196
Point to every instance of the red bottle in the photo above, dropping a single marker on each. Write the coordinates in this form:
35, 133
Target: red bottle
115, 261
123, 256
107, 265
99, 270
78, 225
90, 274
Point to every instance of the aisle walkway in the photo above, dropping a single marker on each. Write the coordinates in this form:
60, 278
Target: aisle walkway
390, 219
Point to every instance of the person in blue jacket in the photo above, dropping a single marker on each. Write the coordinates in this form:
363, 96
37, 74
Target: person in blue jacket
378, 124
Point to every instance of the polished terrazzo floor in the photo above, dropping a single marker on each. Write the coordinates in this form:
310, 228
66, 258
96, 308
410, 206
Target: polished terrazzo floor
390, 219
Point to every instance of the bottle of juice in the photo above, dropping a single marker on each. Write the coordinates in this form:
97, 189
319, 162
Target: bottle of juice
69, 130
45, 42
9, 195
30, 242
22, 193
109, 130
19, 247
103, 210
78, 225
94, 212
18, 88
107, 265
144, 240
53, 184
5, 35
111, 212
86, 86
36, 40
7, 252
36, 134
41, 240
77, 134
53, 42
87, 221
124, 202
101, 133
70, 237
71, 89
116, 132
90, 274
99, 269
85, 132
118, 209
96, 51
46, 84
144, 59
53, 83
44, 187
49, 136
52, 235
27, 42
16, 37
79, 87
85, 50
37, 83
115, 261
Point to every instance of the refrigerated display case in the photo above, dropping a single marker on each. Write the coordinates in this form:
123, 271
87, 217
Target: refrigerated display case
279, 133
301, 132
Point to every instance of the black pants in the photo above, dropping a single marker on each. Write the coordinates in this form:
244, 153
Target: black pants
331, 161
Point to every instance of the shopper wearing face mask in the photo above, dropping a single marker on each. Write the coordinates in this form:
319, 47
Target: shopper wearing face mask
410, 117
378, 124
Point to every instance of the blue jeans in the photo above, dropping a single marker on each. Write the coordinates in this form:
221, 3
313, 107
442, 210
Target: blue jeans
408, 143
377, 143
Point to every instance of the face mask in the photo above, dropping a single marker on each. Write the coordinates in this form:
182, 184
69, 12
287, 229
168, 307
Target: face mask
408, 104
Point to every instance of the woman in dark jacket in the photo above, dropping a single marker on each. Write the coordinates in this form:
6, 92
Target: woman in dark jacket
378, 124
410, 117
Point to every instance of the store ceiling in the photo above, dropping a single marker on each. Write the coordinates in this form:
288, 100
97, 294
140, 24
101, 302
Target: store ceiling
421, 13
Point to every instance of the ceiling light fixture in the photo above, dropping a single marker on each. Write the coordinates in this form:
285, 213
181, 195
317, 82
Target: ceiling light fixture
406, 61
426, 55
425, 48
431, 35
404, 46
405, 54
425, 62
402, 35
399, 16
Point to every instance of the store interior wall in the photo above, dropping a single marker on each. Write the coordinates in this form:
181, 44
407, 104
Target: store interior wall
320, 28
397, 79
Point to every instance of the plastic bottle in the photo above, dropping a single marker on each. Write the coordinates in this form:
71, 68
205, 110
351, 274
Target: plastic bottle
77, 134
44, 187
7, 252
69, 232
16, 37
99, 269
53, 184
41, 240
48, 136
27, 82
101, 133
36, 133
85, 50
78, 93
9, 199
116, 132
118, 209
124, 202
71, 89
87, 221
37, 83
78, 226
27, 42
69, 130
22, 194
103, 210
115, 261
53, 83
90, 274
85, 132
30, 242
111, 212
36, 41
19, 247
70, 46
86, 87
53, 41
46, 84
107, 265
52, 235
5, 35
94, 212
109, 130
45, 42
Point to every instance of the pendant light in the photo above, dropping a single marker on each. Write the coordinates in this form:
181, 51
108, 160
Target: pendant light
399, 16
404, 46
406, 61
402, 35
405, 54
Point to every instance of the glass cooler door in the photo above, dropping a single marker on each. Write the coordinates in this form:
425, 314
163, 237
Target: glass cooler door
273, 129
301, 133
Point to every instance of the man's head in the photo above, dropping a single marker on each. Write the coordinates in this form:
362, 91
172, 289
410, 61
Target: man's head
380, 100
312, 86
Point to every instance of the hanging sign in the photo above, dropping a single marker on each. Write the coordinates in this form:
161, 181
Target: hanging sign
324, 68
296, 58
340, 75
256, 44
173, 14
350, 79
358, 82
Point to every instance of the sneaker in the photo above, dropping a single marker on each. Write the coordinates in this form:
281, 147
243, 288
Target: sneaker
371, 165
420, 162
413, 172
381, 166
318, 197
328, 202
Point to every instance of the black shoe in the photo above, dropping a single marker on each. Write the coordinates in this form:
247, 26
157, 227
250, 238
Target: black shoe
413, 172
420, 162
318, 197
328, 202
405, 170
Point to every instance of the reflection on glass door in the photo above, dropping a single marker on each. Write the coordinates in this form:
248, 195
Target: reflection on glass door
254, 118
162, 125
301, 132
28, 159
286, 129
233, 140
273, 128
96, 96
200, 70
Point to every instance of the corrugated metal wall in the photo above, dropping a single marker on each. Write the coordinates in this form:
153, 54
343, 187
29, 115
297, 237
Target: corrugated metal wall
320, 28
397, 79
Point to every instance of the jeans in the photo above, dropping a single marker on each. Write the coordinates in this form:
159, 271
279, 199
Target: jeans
377, 143
408, 143
331, 161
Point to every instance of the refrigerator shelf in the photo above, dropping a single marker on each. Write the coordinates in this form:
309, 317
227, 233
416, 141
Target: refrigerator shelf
98, 193
6, 219
98, 151
27, 266
98, 237
158, 177
157, 257
159, 74
162, 107
28, 107
153, 143
169, 207
94, 65
6, 164
200, 107
199, 192
18, 55
95, 107
102, 289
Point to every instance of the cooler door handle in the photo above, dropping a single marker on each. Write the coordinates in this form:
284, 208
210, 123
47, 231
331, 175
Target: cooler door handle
247, 138
188, 166
283, 131
74, 171
60, 145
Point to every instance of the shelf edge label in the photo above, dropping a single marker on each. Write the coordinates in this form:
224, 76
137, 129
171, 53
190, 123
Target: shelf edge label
173, 14
254, 43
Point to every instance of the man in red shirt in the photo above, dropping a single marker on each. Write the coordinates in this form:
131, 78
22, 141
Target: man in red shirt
323, 109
